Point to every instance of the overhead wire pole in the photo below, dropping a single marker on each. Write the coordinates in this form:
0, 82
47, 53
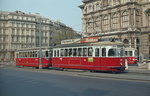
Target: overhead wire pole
40, 42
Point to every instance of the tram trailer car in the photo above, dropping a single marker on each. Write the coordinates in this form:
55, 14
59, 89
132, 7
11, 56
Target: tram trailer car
100, 56
31, 57
131, 55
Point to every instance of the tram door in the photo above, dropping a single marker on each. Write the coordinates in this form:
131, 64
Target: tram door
97, 55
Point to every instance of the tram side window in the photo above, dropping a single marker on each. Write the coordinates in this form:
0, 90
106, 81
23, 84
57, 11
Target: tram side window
130, 53
29, 54
96, 52
121, 52
57, 53
79, 51
20, 54
90, 51
24, 55
103, 52
126, 53
74, 52
46, 54
62, 52
17, 55
84, 51
70, 52
36, 54
111, 52
54, 53
66, 52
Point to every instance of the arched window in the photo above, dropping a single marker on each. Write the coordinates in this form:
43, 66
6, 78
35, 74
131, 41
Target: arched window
105, 23
126, 41
125, 19
115, 20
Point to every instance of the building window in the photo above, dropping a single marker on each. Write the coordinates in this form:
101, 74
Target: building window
137, 18
90, 9
115, 20
106, 23
149, 38
89, 26
97, 6
105, 3
116, 2
149, 52
125, 19
124, 1
137, 41
97, 24
126, 41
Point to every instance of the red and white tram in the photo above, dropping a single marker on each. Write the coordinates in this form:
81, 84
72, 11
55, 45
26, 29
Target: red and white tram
131, 55
31, 57
99, 56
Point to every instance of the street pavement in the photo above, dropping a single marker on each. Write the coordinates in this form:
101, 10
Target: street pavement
132, 73
35, 82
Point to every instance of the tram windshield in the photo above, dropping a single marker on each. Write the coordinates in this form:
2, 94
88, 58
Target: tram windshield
115, 52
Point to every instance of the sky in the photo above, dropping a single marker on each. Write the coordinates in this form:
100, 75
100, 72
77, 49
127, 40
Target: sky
66, 11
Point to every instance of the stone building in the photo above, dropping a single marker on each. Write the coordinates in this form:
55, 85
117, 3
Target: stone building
126, 20
21, 30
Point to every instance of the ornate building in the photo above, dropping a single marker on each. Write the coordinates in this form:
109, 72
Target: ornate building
126, 20
21, 30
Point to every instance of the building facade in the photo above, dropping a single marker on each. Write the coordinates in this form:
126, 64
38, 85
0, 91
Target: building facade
21, 30
126, 20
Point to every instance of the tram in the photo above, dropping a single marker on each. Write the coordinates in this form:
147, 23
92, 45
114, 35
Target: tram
131, 55
98, 56
31, 57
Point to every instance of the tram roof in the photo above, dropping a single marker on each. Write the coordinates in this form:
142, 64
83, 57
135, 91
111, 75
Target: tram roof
90, 44
129, 49
35, 48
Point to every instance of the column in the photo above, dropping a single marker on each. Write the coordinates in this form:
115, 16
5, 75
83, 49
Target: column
109, 21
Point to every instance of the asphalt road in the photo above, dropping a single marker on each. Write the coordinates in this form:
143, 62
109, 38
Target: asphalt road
18, 82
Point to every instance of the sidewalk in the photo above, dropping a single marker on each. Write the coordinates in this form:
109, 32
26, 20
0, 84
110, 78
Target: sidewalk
135, 69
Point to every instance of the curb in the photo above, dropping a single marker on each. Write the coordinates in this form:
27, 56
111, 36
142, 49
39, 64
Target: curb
115, 77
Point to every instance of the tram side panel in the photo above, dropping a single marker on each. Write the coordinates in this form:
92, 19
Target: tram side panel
90, 63
112, 64
107, 58
30, 58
